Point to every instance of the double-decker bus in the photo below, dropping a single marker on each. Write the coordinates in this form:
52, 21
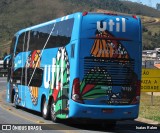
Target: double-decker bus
83, 65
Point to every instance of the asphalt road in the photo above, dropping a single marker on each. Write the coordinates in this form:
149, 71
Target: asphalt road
27, 119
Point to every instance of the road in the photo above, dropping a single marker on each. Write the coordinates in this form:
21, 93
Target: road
10, 115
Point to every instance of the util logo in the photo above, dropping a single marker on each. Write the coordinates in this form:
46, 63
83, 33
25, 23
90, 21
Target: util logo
119, 25
52, 73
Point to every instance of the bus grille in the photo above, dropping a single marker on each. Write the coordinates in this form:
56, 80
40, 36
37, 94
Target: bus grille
107, 71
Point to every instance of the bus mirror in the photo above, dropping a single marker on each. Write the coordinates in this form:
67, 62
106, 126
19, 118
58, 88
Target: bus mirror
6, 61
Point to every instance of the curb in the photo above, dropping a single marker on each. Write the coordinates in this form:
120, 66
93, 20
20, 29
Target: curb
147, 121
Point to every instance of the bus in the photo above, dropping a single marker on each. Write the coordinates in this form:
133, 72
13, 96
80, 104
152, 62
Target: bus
82, 66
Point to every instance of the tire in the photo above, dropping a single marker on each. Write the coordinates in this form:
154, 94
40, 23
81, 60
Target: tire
12, 96
14, 101
45, 109
53, 113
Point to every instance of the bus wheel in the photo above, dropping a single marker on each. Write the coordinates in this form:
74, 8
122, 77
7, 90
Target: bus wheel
53, 113
12, 96
45, 109
14, 101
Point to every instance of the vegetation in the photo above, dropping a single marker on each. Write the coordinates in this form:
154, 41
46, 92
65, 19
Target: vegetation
140, 9
151, 32
18, 14
147, 110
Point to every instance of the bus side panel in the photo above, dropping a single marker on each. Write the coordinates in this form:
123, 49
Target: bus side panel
41, 91
54, 64
24, 65
56, 78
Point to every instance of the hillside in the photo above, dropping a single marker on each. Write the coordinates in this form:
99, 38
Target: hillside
140, 9
151, 32
18, 14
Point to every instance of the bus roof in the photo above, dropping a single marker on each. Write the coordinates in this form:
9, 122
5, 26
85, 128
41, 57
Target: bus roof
71, 16
109, 13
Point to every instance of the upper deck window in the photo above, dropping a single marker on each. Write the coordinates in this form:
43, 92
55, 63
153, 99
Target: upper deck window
36, 38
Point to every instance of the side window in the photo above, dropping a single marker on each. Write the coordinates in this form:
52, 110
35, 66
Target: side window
19, 77
22, 42
62, 33
60, 36
37, 38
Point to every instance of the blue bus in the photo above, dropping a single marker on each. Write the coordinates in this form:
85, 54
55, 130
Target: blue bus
84, 65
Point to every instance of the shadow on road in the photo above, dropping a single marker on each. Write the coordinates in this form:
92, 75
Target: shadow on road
121, 127
127, 126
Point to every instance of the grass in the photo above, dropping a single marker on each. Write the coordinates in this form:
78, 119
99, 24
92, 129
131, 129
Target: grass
154, 28
147, 110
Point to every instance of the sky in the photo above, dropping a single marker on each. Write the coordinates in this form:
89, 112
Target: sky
151, 3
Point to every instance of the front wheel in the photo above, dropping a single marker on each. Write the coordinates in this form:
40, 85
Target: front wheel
45, 109
53, 112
